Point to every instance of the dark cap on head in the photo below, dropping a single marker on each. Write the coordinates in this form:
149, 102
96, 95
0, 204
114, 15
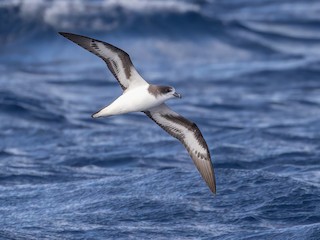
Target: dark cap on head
159, 90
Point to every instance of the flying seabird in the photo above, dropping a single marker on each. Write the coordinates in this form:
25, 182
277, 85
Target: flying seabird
140, 96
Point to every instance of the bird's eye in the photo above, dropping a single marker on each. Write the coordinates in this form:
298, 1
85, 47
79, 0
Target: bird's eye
168, 90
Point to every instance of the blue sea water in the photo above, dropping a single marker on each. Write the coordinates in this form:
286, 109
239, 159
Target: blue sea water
249, 74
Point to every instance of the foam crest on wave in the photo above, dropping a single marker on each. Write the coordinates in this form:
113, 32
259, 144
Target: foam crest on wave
98, 15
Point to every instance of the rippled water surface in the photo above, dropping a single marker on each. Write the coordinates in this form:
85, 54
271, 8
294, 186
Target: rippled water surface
249, 73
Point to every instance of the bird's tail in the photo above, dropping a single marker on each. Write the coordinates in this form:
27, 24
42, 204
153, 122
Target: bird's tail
104, 112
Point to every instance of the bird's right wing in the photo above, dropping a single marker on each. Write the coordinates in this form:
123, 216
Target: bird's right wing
117, 60
190, 136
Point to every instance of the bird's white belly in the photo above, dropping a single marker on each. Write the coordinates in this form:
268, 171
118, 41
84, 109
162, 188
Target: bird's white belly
135, 100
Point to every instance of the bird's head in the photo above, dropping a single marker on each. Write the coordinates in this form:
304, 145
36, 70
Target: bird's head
167, 92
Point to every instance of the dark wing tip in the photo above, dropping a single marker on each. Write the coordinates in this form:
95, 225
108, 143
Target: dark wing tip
63, 33
213, 188
82, 41
67, 35
209, 177
72, 36
212, 182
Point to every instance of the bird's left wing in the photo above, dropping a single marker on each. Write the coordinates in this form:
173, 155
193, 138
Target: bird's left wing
117, 60
190, 136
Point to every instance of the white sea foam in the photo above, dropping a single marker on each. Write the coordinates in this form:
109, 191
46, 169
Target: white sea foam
152, 6
76, 13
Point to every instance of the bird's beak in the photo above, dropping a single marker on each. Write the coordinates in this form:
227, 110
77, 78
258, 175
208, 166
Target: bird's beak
178, 95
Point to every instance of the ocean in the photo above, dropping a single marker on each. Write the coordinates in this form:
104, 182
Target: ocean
248, 72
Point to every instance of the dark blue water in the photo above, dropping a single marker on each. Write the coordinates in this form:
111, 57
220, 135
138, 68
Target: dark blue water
249, 72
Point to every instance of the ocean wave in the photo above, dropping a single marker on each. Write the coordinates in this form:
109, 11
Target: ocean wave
253, 28
106, 15
20, 105
91, 15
